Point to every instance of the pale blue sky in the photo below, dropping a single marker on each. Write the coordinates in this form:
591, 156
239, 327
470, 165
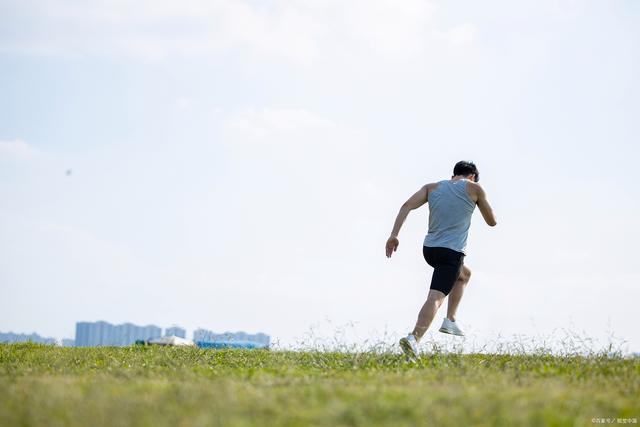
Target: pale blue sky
237, 165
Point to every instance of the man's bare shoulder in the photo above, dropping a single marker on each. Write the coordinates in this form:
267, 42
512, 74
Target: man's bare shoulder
475, 190
474, 186
430, 187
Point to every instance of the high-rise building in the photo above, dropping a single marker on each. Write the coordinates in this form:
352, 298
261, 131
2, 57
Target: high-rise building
175, 330
102, 333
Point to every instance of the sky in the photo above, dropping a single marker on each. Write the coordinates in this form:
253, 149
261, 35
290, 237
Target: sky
238, 165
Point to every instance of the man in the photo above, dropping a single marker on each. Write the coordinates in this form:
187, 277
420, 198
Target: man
451, 204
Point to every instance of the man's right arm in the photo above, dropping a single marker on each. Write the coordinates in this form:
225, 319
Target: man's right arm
485, 207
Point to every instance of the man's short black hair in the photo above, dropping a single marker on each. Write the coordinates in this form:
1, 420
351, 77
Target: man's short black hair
466, 168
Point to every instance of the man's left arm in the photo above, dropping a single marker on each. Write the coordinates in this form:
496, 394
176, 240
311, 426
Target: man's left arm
414, 202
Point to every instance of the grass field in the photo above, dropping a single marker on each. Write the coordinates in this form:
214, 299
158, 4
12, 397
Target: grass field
154, 386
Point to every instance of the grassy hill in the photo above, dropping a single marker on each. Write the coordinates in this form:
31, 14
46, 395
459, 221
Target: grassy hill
154, 386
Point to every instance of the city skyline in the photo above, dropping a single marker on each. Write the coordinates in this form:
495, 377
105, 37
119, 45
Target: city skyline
90, 334
102, 332
11, 337
206, 335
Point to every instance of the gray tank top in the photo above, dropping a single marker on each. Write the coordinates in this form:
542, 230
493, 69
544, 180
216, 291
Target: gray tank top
450, 210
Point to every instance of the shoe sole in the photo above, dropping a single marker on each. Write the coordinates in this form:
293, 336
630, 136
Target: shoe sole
450, 332
405, 345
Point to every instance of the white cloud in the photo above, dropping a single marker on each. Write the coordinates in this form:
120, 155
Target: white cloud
295, 142
300, 31
183, 103
17, 148
387, 27
272, 121
297, 150
460, 34
295, 147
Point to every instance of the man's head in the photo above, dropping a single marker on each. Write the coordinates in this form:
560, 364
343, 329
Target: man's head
466, 169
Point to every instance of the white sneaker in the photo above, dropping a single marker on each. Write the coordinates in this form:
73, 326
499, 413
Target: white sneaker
450, 327
409, 346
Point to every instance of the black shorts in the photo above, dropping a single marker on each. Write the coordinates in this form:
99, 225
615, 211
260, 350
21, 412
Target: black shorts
446, 264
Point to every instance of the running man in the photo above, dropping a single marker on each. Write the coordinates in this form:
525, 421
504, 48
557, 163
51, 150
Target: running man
451, 204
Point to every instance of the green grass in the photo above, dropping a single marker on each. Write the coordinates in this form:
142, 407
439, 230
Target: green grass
154, 386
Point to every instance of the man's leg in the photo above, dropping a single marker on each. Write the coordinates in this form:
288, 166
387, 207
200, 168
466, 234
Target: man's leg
456, 293
428, 312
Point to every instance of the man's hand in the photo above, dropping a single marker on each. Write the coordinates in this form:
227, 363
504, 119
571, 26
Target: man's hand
392, 245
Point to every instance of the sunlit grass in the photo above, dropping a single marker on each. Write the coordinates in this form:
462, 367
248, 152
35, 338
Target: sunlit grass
150, 386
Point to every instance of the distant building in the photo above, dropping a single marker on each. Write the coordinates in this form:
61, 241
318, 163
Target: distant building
89, 334
10, 337
204, 335
177, 331
68, 342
